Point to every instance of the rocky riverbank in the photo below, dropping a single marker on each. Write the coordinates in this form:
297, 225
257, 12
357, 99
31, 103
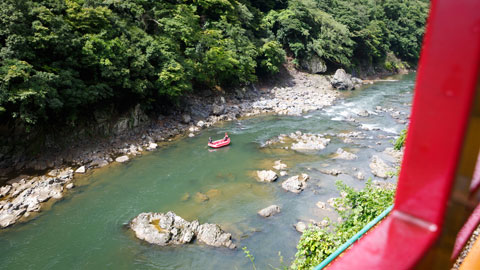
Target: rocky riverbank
136, 133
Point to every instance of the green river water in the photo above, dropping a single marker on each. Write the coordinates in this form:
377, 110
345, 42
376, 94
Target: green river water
87, 229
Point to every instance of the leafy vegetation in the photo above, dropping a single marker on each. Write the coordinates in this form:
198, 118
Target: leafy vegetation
356, 209
63, 59
400, 142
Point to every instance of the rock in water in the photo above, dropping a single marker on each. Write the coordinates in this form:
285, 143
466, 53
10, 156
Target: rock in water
269, 211
213, 235
380, 168
278, 165
321, 205
360, 176
267, 176
121, 159
342, 154
300, 226
341, 80
200, 197
295, 183
170, 229
163, 229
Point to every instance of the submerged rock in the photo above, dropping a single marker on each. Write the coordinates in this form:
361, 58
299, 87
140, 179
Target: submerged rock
170, 229
278, 165
267, 176
200, 197
380, 168
296, 184
333, 172
269, 211
185, 197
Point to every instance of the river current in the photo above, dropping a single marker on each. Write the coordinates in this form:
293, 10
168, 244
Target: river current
88, 228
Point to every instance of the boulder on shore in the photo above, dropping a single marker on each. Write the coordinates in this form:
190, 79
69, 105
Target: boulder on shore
80, 170
267, 176
269, 211
342, 80
170, 229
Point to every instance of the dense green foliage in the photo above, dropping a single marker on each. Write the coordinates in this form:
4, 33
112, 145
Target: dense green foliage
356, 209
400, 142
61, 59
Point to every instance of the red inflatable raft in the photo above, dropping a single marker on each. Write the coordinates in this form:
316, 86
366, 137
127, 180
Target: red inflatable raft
219, 143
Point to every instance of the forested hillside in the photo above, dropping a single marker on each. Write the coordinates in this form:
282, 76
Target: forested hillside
62, 59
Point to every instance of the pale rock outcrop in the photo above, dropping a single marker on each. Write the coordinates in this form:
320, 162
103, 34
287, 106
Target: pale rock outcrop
170, 229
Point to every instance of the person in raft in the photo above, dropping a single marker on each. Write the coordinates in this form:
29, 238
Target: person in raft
209, 139
226, 136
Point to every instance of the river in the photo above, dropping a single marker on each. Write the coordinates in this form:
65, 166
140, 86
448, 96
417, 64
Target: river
87, 229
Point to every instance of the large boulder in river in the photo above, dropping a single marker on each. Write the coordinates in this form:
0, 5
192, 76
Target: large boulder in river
213, 235
296, 183
380, 168
163, 229
269, 211
342, 80
170, 229
267, 176
314, 64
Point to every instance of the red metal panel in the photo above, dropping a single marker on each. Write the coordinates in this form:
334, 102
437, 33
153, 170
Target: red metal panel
446, 80
381, 249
